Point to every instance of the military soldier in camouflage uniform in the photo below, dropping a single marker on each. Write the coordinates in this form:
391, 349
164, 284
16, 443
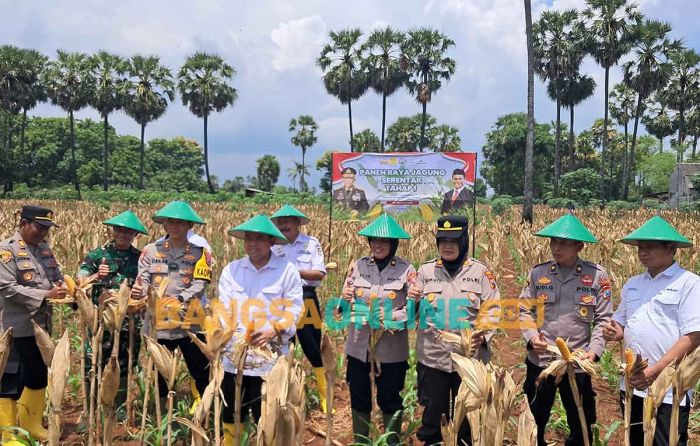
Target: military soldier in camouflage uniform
110, 265
379, 280
349, 196
576, 298
188, 268
29, 277
452, 276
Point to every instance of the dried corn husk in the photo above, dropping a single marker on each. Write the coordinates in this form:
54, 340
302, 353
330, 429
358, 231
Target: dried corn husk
475, 375
115, 308
283, 407
5, 346
684, 379
110, 382
87, 309
199, 433
527, 428
70, 284
57, 377
328, 354
655, 397
164, 359
45, 343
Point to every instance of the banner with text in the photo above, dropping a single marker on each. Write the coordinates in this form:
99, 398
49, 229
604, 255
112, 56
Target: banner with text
409, 185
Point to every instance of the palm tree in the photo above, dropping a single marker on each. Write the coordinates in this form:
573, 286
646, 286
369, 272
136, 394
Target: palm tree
70, 84
694, 126
109, 71
31, 91
203, 83
367, 141
305, 137
649, 70
622, 107
575, 89
558, 44
341, 62
427, 66
683, 85
445, 138
298, 171
147, 94
657, 119
609, 25
530, 138
384, 65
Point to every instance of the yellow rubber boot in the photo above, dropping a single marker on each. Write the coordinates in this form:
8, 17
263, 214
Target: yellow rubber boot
31, 407
8, 418
230, 430
197, 398
322, 386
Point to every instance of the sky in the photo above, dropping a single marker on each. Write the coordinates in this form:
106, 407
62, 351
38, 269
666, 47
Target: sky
273, 46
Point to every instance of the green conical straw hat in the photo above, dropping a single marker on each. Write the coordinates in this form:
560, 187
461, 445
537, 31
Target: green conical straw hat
127, 219
384, 227
260, 224
568, 227
290, 211
180, 210
656, 229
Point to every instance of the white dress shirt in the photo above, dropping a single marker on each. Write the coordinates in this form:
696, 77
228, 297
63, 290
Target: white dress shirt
276, 287
306, 254
657, 311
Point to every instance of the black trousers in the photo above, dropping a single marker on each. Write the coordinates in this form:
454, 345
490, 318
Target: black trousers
309, 336
251, 397
389, 384
663, 422
197, 363
541, 399
32, 371
437, 391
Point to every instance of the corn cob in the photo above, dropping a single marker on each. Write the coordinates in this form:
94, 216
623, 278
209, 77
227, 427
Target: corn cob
563, 349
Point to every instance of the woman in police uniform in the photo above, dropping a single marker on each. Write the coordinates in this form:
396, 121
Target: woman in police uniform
379, 280
453, 275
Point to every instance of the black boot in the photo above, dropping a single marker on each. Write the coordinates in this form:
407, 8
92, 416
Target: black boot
392, 423
361, 422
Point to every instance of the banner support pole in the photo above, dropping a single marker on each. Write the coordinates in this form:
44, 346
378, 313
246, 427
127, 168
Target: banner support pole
476, 163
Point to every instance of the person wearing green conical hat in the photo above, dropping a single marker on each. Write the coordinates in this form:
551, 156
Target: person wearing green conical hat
187, 268
379, 280
576, 297
659, 319
455, 288
306, 253
259, 284
109, 265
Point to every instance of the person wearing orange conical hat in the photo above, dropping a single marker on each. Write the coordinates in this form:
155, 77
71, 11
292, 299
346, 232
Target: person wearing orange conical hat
376, 288
659, 319
576, 296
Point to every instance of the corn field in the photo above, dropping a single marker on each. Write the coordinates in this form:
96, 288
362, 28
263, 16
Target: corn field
502, 242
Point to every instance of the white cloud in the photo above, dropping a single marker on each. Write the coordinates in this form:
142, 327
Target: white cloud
297, 43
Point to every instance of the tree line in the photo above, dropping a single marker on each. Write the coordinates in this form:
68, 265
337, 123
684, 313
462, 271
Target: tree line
660, 89
141, 86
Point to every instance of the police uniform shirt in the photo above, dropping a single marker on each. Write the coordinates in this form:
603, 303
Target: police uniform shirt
576, 306
474, 284
306, 254
277, 290
657, 311
354, 198
188, 269
194, 239
26, 274
389, 284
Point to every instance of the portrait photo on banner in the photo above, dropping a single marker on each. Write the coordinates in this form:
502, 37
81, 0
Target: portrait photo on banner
411, 186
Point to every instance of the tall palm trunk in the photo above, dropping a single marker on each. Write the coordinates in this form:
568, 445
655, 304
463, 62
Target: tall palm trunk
625, 155
603, 151
384, 106
142, 154
302, 181
681, 124
634, 142
530, 139
352, 138
73, 164
572, 139
206, 155
105, 160
557, 148
7, 146
695, 142
421, 142
21, 144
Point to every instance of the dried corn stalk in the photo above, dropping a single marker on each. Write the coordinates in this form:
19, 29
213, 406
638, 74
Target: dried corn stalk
527, 428
330, 367
633, 365
655, 397
57, 377
197, 425
684, 379
166, 363
109, 387
5, 346
283, 407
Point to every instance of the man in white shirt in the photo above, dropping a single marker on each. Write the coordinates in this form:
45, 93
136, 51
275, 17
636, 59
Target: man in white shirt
269, 288
659, 318
306, 254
